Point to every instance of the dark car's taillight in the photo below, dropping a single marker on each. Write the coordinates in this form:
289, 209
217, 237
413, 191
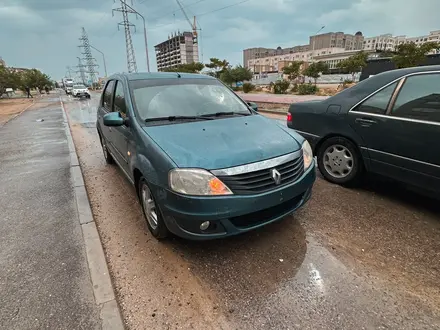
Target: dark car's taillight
289, 116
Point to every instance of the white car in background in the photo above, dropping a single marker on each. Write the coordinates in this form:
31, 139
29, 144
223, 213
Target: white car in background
80, 91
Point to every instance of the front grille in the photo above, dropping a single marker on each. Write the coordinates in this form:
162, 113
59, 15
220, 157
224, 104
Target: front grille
257, 218
261, 180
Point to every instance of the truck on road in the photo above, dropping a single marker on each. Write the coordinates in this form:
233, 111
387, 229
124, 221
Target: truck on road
68, 85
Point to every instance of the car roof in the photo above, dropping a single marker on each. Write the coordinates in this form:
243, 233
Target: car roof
394, 74
160, 75
361, 90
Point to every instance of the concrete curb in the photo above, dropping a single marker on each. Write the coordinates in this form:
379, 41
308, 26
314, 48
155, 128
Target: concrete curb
102, 287
18, 114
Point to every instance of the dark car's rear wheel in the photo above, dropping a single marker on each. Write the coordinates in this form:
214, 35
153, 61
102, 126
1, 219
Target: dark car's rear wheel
152, 214
107, 156
340, 161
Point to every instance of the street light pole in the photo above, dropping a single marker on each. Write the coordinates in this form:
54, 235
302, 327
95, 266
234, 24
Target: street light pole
314, 37
145, 35
103, 58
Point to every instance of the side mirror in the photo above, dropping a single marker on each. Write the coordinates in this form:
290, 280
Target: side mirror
113, 119
253, 105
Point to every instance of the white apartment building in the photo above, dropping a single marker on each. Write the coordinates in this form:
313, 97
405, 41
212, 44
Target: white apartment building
331, 56
388, 42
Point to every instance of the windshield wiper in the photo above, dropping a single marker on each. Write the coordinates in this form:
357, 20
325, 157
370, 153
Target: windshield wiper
229, 113
174, 118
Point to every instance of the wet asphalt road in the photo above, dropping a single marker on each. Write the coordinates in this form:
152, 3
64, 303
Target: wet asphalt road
351, 259
44, 277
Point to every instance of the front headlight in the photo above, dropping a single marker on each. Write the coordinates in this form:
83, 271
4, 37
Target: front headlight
195, 181
307, 155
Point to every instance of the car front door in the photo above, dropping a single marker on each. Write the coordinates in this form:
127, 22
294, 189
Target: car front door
370, 121
121, 135
105, 106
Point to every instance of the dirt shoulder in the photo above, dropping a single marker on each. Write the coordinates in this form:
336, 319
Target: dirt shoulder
9, 108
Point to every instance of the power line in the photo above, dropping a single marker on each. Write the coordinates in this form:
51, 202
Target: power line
225, 7
178, 10
154, 27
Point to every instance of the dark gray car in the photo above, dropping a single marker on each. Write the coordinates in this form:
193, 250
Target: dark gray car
387, 124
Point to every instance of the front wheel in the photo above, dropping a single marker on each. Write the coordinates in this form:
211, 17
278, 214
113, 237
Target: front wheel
152, 215
340, 162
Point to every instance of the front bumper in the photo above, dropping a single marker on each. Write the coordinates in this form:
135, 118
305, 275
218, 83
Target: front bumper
80, 94
234, 214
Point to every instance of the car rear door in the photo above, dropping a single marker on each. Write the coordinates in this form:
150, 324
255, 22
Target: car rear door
415, 124
121, 135
104, 107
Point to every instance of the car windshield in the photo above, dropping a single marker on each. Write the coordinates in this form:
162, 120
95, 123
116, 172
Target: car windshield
184, 97
79, 86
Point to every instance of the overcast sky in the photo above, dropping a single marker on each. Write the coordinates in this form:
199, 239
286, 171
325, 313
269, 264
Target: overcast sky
44, 34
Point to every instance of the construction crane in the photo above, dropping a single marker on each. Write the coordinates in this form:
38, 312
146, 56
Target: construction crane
192, 24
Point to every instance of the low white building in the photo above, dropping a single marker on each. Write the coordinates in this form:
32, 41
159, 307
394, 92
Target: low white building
388, 42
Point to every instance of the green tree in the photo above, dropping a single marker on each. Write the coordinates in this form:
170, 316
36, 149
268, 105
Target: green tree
195, 67
217, 66
293, 70
236, 74
8, 79
410, 54
354, 63
314, 70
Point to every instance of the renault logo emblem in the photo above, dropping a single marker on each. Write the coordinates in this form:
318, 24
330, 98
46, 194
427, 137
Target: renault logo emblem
276, 176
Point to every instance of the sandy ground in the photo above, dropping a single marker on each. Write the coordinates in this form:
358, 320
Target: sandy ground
9, 108
351, 259
145, 271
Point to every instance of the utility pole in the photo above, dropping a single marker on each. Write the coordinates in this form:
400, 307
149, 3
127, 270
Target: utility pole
88, 58
313, 45
131, 58
81, 70
103, 59
69, 71
132, 10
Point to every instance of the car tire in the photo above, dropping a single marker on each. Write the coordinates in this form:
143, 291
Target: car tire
340, 162
107, 156
153, 217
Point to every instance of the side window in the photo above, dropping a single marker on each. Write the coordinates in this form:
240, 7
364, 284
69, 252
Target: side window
107, 97
119, 105
419, 98
378, 103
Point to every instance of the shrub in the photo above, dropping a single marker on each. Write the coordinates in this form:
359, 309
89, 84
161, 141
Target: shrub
307, 89
236, 89
280, 87
294, 89
247, 87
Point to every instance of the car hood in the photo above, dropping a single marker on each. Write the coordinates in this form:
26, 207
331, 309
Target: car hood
222, 143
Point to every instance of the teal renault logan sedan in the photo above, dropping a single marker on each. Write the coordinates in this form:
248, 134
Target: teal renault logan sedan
204, 163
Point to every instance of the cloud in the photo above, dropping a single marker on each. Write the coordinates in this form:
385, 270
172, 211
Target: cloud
44, 33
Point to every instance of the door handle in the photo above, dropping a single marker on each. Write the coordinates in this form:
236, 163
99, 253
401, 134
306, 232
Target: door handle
365, 121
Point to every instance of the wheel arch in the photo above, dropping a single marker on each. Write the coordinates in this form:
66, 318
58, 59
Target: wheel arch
137, 175
364, 155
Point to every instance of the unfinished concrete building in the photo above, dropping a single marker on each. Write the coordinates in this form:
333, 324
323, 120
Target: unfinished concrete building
180, 48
